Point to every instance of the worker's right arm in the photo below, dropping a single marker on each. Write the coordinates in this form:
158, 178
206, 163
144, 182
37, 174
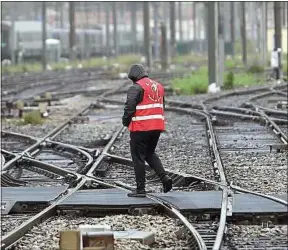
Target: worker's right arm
134, 96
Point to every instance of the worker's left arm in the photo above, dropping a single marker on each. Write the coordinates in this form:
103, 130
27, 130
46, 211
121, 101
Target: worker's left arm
134, 96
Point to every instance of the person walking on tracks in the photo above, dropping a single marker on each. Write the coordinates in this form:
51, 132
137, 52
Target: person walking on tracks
144, 117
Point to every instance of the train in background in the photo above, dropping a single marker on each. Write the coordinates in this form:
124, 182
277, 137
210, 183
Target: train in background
28, 39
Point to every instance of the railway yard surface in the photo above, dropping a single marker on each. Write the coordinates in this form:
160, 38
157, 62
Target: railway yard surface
226, 154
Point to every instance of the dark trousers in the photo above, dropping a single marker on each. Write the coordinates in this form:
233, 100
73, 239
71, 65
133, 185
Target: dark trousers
142, 147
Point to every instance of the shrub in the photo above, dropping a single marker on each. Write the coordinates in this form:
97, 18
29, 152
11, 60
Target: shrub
33, 117
255, 68
229, 81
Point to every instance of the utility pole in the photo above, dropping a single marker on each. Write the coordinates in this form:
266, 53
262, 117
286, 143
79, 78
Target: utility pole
172, 29
221, 50
180, 21
107, 5
164, 50
278, 29
44, 35
232, 27
72, 31
147, 40
133, 25
212, 41
278, 34
115, 32
156, 30
263, 30
194, 20
243, 33
13, 34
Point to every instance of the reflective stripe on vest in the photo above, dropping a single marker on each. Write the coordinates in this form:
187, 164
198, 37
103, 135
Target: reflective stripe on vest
147, 117
149, 106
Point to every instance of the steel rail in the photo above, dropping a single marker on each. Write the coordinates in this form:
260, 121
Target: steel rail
40, 141
27, 137
273, 125
256, 117
72, 149
15, 235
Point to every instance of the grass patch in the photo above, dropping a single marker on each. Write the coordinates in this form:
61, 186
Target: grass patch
33, 117
194, 84
197, 83
124, 62
237, 80
189, 59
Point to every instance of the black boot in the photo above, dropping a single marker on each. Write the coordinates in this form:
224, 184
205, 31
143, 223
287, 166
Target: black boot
137, 193
167, 183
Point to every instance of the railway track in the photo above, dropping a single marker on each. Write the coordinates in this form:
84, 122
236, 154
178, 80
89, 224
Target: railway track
201, 132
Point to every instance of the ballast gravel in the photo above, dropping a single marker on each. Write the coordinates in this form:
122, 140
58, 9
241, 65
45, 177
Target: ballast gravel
256, 237
46, 234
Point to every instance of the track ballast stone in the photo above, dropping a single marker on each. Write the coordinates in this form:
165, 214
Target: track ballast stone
47, 233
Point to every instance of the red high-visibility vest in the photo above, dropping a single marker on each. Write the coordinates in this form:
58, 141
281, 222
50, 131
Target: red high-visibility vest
149, 114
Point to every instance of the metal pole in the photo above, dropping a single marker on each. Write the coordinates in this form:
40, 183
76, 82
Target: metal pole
133, 25
107, 28
278, 34
212, 46
115, 32
180, 21
44, 35
164, 51
156, 45
221, 52
13, 38
147, 40
172, 29
72, 30
232, 28
243, 34
194, 21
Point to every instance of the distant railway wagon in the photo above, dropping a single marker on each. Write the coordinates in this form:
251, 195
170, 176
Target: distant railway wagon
28, 39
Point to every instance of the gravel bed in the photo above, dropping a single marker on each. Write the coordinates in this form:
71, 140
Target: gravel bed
90, 85
269, 101
262, 172
14, 144
118, 97
284, 128
10, 222
102, 124
47, 233
246, 156
58, 115
256, 237
183, 147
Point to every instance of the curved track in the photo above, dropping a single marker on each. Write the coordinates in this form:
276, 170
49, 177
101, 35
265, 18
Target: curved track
204, 161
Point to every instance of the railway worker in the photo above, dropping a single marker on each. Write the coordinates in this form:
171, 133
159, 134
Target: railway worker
144, 117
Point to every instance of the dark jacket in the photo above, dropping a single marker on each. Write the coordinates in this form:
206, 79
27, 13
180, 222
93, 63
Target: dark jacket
135, 93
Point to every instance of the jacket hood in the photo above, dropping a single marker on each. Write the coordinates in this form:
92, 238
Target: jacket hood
137, 72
